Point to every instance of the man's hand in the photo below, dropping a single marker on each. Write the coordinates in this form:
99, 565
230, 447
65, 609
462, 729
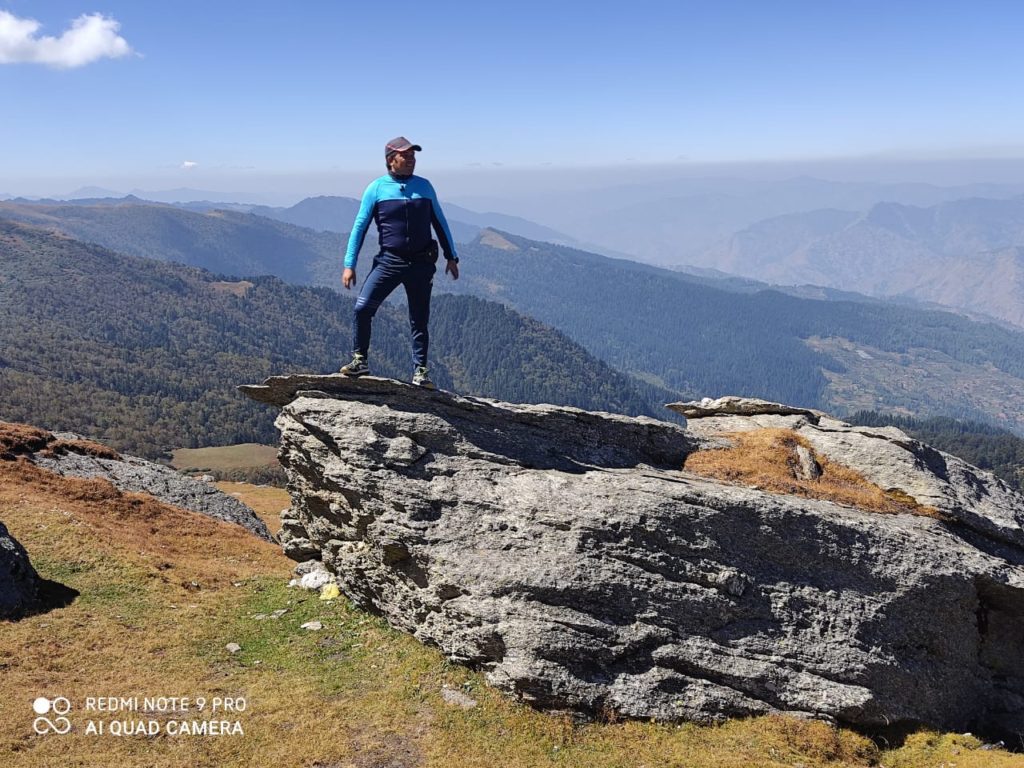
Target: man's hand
348, 277
452, 268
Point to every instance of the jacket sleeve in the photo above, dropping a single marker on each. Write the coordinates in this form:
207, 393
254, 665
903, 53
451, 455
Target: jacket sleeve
362, 223
444, 235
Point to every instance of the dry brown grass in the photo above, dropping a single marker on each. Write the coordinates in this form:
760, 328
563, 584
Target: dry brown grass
172, 543
82, 447
18, 439
766, 459
150, 579
162, 591
265, 501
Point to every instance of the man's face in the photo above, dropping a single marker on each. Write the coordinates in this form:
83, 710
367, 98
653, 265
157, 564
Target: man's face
403, 163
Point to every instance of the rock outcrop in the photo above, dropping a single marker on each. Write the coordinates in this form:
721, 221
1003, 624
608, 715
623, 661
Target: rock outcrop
569, 556
71, 455
886, 456
19, 582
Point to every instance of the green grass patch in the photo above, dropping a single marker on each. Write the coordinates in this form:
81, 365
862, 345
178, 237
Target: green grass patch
102, 582
281, 644
241, 456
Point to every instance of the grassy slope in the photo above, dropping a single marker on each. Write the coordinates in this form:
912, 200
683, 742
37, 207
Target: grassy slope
163, 591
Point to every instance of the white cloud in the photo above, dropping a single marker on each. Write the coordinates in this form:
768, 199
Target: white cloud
90, 38
189, 164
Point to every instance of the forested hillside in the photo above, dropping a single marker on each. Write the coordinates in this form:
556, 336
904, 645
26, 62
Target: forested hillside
146, 355
764, 344
685, 333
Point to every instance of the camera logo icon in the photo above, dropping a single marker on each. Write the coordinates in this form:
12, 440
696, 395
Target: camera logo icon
59, 706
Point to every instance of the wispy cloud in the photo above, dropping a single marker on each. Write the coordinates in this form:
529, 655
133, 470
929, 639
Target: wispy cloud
90, 38
188, 164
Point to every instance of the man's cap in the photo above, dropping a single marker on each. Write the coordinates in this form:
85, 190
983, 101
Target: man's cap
401, 144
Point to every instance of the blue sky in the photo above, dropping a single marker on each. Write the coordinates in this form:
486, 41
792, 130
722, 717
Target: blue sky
263, 88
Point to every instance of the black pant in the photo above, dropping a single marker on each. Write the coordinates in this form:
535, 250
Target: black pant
388, 272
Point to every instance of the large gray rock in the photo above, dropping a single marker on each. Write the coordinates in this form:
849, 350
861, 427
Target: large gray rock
567, 555
132, 474
19, 582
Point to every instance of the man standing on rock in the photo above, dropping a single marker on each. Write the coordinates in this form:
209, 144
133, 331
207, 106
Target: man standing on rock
404, 207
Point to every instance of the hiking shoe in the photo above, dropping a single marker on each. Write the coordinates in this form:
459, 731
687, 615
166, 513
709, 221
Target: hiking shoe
421, 378
357, 367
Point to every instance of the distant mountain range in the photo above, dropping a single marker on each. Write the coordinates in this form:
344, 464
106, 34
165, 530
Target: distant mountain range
676, 219
667, 219
226, 242
336, 214
168, 196
967, 254
323, 214
237, 242
146, 355
686, 333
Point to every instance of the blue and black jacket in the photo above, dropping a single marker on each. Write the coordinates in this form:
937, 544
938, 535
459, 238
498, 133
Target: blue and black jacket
404, 208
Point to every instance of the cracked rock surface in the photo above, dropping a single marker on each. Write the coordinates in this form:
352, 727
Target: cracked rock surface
567, 555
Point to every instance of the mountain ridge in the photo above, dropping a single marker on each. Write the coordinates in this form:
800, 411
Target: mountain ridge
144, 354
759, 343
670, 329
963, 253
